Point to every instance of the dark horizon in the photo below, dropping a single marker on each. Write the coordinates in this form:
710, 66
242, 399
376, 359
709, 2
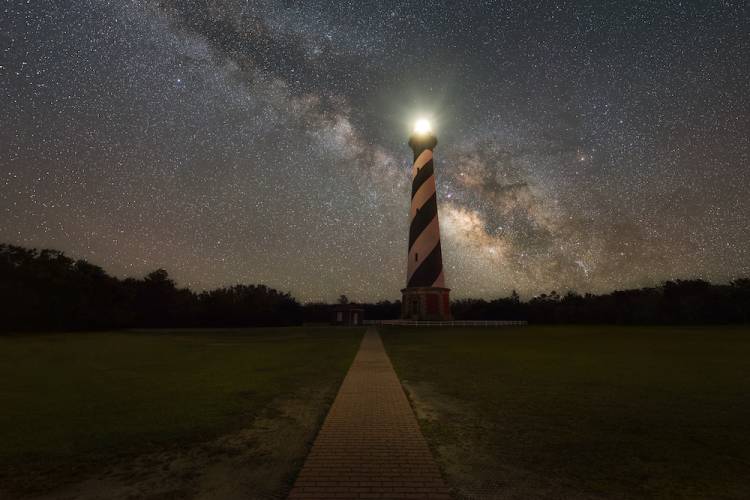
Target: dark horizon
395, 298
48, 291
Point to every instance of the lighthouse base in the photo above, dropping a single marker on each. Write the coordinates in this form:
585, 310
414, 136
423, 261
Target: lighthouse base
426, 303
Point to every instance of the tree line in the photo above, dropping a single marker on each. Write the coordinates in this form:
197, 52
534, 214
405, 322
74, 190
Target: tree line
673, 302
46, 290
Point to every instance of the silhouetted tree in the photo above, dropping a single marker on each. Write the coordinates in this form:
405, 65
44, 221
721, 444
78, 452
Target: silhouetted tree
253, 305
385, 309
45, 290
317, 312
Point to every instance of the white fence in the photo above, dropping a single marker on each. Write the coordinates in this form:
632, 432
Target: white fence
405, 322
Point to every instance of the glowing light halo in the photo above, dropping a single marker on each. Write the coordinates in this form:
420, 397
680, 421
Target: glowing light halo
422, 126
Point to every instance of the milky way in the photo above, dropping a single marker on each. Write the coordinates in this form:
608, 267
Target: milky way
587, 146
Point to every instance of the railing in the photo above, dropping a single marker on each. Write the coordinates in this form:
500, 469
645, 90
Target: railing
406, 322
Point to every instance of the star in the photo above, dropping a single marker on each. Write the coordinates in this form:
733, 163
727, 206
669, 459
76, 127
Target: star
576, 150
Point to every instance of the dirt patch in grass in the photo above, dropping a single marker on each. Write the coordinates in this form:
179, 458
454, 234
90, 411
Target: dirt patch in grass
168, 413
582, 412
472, 468
258, 462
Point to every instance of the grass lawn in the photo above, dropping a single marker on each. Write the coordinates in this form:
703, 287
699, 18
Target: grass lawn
579, 412
74, 401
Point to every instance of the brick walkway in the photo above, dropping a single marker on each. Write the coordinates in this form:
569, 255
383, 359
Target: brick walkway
370, 445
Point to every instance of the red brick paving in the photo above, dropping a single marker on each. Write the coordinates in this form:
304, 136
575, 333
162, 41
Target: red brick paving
370, 445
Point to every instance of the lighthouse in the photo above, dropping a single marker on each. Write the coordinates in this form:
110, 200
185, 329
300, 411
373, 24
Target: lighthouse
425, 297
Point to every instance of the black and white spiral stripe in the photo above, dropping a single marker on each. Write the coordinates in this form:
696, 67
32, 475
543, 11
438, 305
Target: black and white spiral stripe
425, 267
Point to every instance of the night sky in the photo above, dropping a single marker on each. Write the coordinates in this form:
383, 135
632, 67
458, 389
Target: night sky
587, 146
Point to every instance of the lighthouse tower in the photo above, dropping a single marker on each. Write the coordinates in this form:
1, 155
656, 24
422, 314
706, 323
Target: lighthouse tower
425, 296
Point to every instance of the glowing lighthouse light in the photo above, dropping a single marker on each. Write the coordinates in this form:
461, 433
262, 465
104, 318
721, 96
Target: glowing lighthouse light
422, 126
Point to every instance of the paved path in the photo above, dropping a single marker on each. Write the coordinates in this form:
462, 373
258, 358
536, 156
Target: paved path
370, 445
